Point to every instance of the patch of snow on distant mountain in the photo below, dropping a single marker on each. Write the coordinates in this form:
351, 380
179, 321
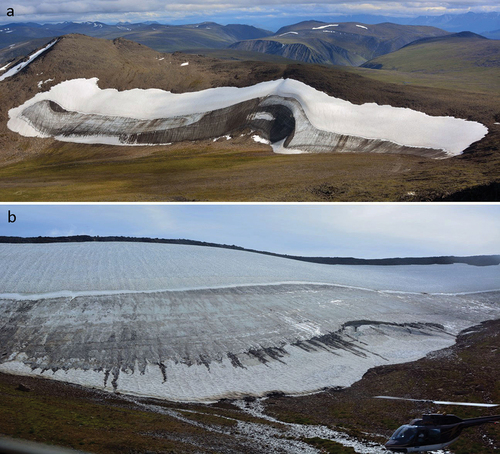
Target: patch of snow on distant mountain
325, 26
362, 26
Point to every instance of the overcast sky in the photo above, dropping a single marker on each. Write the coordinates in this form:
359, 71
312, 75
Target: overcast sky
236, 11
369, 231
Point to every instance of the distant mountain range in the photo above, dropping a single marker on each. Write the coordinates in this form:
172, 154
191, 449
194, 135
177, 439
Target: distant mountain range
346, 40
347, 44
337, 43
475, 22
482, 23
164, 38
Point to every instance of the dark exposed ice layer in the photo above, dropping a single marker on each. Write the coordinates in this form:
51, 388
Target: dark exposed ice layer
286, 123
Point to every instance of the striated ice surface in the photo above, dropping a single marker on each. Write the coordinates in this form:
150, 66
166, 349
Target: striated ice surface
110, 266
306, 119
199, 323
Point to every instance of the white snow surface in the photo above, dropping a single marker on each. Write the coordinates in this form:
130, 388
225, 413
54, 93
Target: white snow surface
196, 383
325, 26
372, 121
259, 139
13, 71
129, 266
362, 26
44, 82
289, 33
185, 63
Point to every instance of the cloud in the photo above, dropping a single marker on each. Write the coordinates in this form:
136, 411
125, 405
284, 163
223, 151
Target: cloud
158, 9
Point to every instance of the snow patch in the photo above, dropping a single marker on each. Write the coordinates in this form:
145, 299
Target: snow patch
362, 26
227, 137
325, 26
185, 63
259, 139
44, 82
289, 33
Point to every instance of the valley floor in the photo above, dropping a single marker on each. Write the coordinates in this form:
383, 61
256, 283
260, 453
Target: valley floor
94, 421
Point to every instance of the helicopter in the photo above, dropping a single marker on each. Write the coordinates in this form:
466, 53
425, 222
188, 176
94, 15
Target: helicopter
433, 431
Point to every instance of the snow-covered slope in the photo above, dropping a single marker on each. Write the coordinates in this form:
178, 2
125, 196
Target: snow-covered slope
302, 118
199, 323
14, 70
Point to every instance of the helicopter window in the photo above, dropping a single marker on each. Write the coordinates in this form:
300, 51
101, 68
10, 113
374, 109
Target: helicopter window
404, 433
434, 434
428, 435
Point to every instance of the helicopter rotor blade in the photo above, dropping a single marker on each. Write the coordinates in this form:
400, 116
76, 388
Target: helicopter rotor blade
439, 402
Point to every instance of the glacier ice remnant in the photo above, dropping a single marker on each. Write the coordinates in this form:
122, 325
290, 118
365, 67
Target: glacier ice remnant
293, 116
199, 323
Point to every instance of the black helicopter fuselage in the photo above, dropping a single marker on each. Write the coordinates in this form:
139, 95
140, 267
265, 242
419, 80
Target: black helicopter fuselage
432, 432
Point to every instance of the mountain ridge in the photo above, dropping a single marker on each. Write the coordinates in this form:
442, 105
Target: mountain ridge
343, 43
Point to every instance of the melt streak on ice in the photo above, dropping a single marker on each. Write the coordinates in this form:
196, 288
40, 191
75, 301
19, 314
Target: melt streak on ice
194, 323
303, 119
